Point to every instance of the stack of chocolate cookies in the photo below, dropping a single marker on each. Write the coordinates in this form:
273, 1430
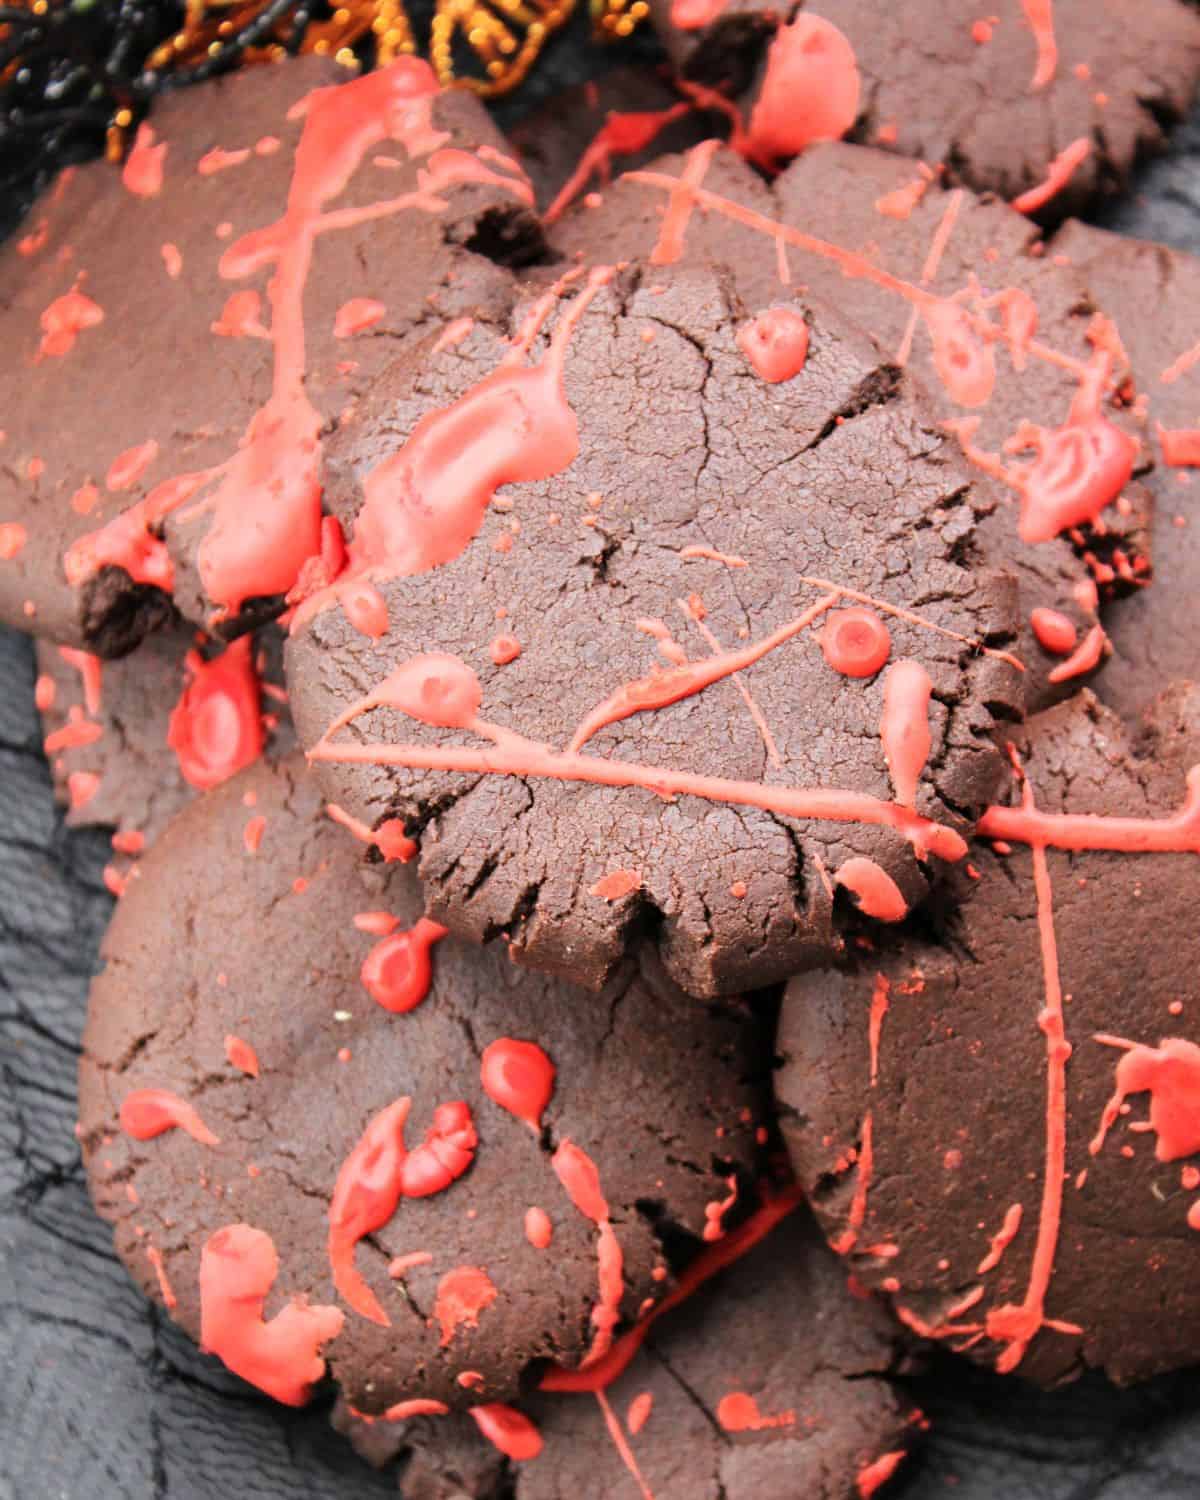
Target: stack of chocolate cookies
650, 733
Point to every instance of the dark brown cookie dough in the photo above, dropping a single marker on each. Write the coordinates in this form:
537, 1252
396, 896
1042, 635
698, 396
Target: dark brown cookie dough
996, 96
708, 512
249, 976
997, 1117
725, 1400
143, 344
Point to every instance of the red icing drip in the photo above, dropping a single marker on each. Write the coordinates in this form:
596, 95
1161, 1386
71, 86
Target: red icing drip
880, 1001
1088, 655
1177, 834
1180, 446
398, 970
508, 1430
964, 361
142, 173
64, 319
1058, 174
128, 467
444, 1155
900, 202
577, 1172
154, 1256
810, 91
241, 1055
462, 1294
1002, 1239
738, 1412
91, 671
620, 135
13, 537
874, 1476
716, 1211
216, 728
1055, 632
389, 838
519, 1077
904, 727
616, 885
238, 1267
1170, 1074
775, 343
356, 316
639, 1412
368, 1188
538, 1229
1040, 15
621, 1444
878, 894
848, 1238
433, 688
147, 1113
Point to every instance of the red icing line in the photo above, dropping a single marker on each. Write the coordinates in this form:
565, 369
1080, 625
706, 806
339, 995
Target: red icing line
880, 1000
508, 1430
1002, 1239
128, 467
72, 737
356, 316
775, 343
1177, 834
577, 1172
238, 1267
216, 727
693, 607
400, 1265
519, 1077
810, 91
1087, 655
846, 1241
368, 1189
878, 894
875, 1475
694, 552
904, 727
420, 1406
1055, 632
685, 190
462, 1294
147, 1113
620, 135
539, 1231
64, 319
398, 970
1170, 1073
155, 1257
624, 1451
738, 1412
900, 202
1040, 15
142, 173
241, 1055
1058, 174
91, 672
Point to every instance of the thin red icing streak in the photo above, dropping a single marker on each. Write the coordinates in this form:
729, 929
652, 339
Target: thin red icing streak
167, 1292
13, 537
142, 173
738, 1412
685, 191
1040, 15
1058, 174
577, 1173
1055, 632
64, 320
91, 673
377, 923
252, 834
216, 727
539, 1231
775, 343
400, 1265
419, 1406
1016, 1324
356, 316
389, 838
878, 894
856, 642
1170, 1074
857, 1213
398, 970
128, 467
453, 334
904, 727
809, 93
462, 1295
873, 1476
368, 1188
695, 552
1002, 1239
880, 1001
509, 1430
238, 1267
72, 737
620, 135
519, 1077
220, 160
639, 1412
241, 1055
1177, 834
1087, 655
1180, 446
693, 607
147, 1113
616, 885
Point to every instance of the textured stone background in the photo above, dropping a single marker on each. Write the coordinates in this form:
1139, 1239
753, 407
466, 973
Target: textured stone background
101, 1397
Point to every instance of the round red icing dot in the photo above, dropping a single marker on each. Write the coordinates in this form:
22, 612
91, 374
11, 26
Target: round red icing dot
519, 1077
856, 642
1055, 632
775, 343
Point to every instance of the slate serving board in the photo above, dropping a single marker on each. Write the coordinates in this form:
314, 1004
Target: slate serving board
102, 1397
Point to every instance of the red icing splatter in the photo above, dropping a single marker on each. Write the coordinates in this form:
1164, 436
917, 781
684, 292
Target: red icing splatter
875, 1475
82, 786
616, 885
241, 317
398, 970
577, 1172
856, 642
64, 319
504, 649
1002, 1239
142, 173
368, 1188
218, 160
1170, 1074
155, 1257
539, 1231
241, 1055
639, 1412
1055, 632
620, 135
1087, 655
738, 1412
508, 1430
904, 727
810, 91
519, 1077
1058, 174
1040, 15
238, 1267
444, 1155
389, 838
216, 727
172, 260
878, 894
963, 359
147, 1113
462, 1294
356, 316
691, 15
128, 467
13, 537
775, 343
1180, 446
252, 834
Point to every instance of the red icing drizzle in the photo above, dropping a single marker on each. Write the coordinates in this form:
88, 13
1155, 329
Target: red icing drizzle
398, 970
620, 135
142, 173
216, 727
1040, 15
1058, 174
810, 91
874, 1476
1055, 632
1170, 1074
577, 1172
64, 319
241, 1055
904, 727
775, 343
738, 1412
1177, 834
1086, 656
462, 1294
508, 1430
238, 1267
878, 894
147, 1113
519, 1077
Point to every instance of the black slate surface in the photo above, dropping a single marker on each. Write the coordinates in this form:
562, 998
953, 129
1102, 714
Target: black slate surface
101, 1397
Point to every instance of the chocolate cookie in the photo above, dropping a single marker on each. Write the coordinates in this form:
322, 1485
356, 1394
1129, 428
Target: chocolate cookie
997, 1115
315, 1055
651, 695
247, 252
724, 1399
1042, 89
131, 741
